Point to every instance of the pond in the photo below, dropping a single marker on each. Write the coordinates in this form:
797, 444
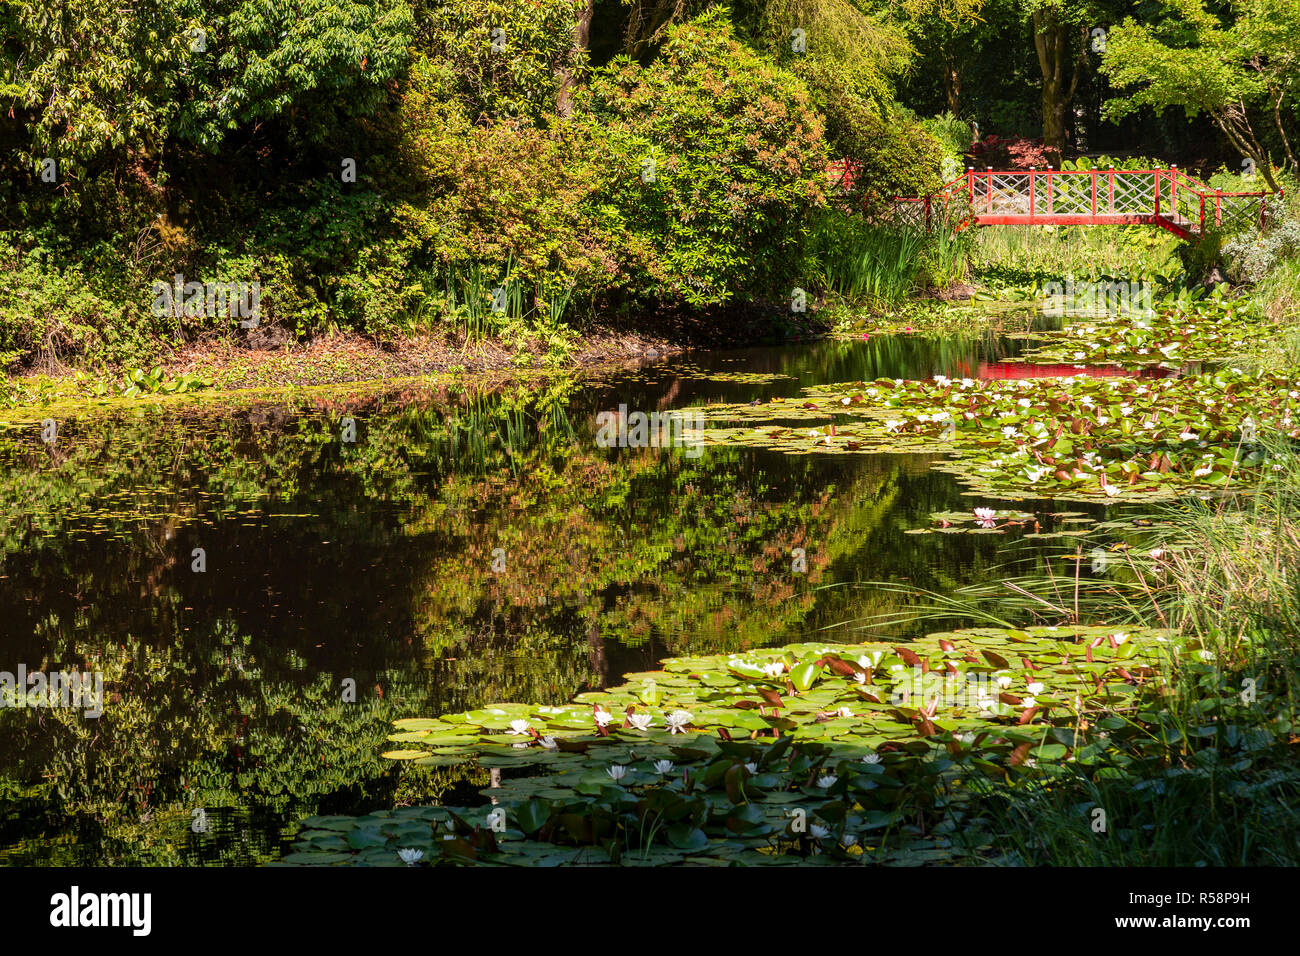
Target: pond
266, 585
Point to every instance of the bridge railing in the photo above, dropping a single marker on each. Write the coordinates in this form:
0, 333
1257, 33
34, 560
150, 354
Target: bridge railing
1076, 197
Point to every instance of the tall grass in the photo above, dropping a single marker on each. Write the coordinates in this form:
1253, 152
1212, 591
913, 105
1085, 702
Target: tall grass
1083, 251
876, 264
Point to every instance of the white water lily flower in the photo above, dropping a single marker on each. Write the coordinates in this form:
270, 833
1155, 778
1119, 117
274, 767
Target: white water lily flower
871, 758
1030, 702
518, 727
985, 514
844, 401
966, 738
1004, 682
640, 721
893, 426
844, 712
549, 743
411, 857
616, 772
827, 781
603, 717
678, 720
751, 767
818, 832
1119, 638
850, 839
774, 669
1010, 431
1036, 688
664, 766
860, 677
1189, 435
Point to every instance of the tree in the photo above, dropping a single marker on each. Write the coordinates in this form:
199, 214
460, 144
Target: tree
1193, 59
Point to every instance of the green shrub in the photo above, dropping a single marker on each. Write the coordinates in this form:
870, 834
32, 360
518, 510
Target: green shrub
716, 159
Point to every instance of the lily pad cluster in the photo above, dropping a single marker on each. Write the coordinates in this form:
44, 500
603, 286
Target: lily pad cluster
811, 752
1076, 437
989, 520
1204, 332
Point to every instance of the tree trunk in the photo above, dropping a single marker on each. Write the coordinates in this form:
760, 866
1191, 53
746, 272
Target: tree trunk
581, 39
1052, 44
952, 85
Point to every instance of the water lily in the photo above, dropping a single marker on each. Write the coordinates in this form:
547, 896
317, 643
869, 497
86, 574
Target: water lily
871, 758
1036, 688
1029, 702
616, 772
1004, 682
549, 743
985, 514
411, 856
751, 767
893, 425
1119, 638
850, 839
844, 712
678, 720
774, 669
518, 727
664, 766
640, 722
603, 717
818, 832
827, 781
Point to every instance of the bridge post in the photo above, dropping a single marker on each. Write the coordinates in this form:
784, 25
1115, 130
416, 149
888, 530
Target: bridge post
1173, 191
1110, 202
1094, 194
989, 204
1156, 174
1218, 207
1033, 174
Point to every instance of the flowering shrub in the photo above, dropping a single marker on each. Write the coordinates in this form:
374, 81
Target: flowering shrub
1012, 152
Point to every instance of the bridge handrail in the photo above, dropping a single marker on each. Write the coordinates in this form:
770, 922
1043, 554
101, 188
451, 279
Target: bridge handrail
1183, 192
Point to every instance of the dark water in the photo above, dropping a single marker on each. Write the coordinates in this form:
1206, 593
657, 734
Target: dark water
370, 564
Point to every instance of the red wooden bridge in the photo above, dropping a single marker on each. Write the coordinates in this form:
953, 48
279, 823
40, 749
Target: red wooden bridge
1167, 198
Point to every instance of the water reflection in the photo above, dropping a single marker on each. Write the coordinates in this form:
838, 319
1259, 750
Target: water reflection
468, 547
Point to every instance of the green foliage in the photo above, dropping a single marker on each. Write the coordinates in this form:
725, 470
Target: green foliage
514, 74
716, 159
